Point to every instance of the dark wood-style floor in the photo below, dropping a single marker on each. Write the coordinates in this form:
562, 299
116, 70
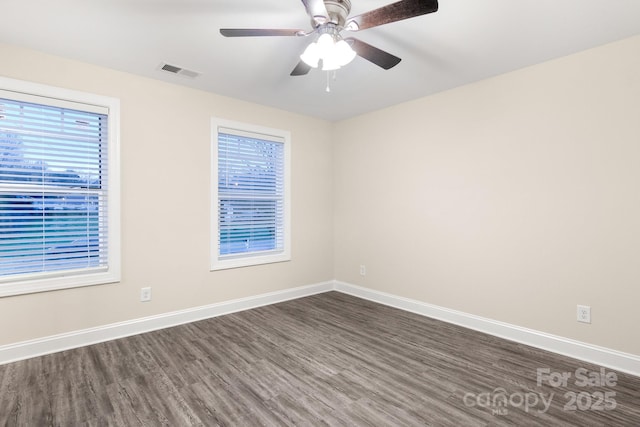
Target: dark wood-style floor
328, 359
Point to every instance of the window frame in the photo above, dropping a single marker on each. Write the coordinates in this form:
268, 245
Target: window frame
218, 262
66, 279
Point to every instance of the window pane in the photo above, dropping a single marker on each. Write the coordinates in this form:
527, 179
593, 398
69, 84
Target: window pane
248, 226
250, 195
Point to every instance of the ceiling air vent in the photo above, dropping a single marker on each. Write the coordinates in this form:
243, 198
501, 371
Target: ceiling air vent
173, 69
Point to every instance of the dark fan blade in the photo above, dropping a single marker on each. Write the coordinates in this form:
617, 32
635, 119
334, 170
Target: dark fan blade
393, 12
301, 69
373, 54
259, 32
316, 10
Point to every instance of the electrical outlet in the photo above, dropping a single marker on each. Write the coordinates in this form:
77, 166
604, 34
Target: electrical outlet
145, 294
363, 270
584, 314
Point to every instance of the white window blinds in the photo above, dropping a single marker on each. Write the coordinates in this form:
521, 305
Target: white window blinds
251, 194
53, 188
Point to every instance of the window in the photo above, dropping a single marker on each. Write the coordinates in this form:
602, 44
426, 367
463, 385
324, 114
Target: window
250, 203
59, 184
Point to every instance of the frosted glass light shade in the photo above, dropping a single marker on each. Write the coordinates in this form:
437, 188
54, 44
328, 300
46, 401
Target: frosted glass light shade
329, 63
311, 55
343, 53
325, 45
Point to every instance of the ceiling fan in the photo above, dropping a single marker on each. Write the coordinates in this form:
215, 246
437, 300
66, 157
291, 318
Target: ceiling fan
328, 19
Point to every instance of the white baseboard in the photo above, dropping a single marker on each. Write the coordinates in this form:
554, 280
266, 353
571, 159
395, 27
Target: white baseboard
55, 343
613, 359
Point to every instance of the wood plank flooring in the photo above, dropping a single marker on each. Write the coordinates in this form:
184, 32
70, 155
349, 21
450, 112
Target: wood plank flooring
328, 359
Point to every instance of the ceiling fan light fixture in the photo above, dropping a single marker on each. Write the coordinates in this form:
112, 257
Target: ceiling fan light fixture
331, 49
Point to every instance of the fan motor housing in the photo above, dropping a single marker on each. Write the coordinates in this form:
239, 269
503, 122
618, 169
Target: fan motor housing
338, 11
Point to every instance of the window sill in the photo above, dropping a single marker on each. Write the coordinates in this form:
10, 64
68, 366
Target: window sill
46, 284
228, 263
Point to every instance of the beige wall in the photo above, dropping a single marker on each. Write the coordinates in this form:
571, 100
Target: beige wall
515, 198
165, 138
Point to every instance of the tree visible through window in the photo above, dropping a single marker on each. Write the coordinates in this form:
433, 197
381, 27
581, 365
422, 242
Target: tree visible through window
251, 203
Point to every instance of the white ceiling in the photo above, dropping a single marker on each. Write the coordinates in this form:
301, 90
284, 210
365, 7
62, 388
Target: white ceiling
465, 41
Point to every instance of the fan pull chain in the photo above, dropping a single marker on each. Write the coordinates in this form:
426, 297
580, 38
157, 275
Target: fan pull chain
335, 73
